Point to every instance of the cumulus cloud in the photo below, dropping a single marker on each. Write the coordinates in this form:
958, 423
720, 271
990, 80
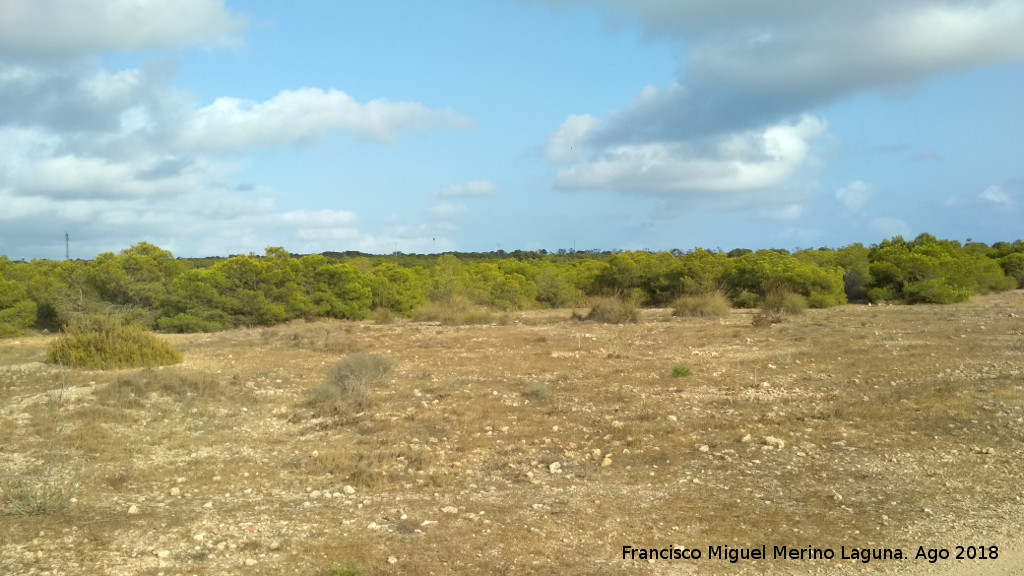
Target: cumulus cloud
759, 66
742, 161
119, 156
997, 197
855, 195
71, 27
471, 188
304, 115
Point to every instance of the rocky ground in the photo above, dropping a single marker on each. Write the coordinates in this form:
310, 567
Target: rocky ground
541, 445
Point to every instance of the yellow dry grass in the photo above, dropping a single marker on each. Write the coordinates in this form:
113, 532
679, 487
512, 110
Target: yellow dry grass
541, 446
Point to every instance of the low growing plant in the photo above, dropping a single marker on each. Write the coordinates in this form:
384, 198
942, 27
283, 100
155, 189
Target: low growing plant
353, 376
612, 310
708, 304
680, 371
103, 343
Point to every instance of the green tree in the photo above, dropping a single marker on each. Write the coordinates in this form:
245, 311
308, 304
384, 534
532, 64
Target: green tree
17, 311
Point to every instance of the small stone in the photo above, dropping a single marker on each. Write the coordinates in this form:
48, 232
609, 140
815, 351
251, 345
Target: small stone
704, 448
450, 510
208, 505
746, 438
988, 450
606, 462
349, 490
392, 560
555, 468
163, 554
275, 545
251, 562
774, 442
617, 424
133, 509
315, 494
175, 491
673, 418
199, 536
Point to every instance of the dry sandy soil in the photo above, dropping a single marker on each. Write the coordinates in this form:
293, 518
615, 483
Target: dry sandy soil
542, 445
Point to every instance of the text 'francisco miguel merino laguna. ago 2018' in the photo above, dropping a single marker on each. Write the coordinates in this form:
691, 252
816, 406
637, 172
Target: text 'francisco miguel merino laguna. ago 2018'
736, 554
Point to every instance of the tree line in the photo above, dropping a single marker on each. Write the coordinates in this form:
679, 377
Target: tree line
148, 286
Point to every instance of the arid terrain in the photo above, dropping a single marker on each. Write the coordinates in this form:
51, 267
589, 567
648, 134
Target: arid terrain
537, 445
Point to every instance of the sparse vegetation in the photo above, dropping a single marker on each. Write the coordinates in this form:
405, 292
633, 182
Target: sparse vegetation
353, 376
104, 343
680, 371
612, 310
712, 304
528, 445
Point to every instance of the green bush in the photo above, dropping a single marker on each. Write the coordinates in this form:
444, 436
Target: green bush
709, 304
104, 343
680, 371
17, 312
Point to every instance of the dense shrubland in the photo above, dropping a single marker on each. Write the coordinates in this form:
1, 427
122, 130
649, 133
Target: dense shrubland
148, 287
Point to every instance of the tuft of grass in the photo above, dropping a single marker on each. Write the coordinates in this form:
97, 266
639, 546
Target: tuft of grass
612, 310
104, 343
383, 315
680, 371
709, 304
39, 493
52, 488
353, 376
781, 300
537, 391
764, 319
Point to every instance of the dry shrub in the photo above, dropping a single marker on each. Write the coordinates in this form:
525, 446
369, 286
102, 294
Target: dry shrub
352, 377
709, 305
105, 343
454, 311
612, 310
781, 300
765, 319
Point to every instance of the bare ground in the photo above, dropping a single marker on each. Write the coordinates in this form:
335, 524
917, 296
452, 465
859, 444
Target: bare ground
542, 446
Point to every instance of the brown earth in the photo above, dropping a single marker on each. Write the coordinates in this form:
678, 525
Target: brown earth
540, 446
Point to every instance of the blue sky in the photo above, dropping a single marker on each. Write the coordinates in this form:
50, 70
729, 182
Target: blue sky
211, 127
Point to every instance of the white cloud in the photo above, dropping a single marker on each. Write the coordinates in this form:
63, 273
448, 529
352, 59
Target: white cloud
71, 27
889, 227
448, 210
573, 133
304, 115
752, 160
997, 197
755, 65
854, 196
471, 188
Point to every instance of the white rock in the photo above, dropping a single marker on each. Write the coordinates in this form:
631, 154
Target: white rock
704, 448
251, 562
349, 490
450, 510
392, 560
606, 462
199, 536
175, 491
163, 554
555, 468
208, 505
315, 494
133, 509
776, 442
746, 438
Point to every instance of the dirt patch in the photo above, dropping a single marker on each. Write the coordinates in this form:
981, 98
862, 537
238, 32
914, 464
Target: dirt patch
542, 445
